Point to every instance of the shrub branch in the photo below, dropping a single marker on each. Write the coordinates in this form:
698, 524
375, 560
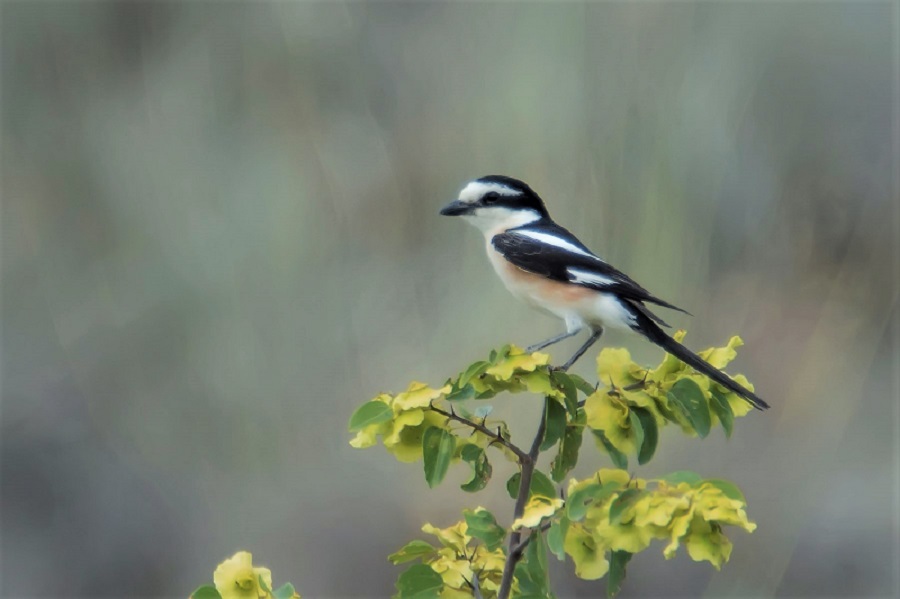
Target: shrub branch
481, 428
512, 557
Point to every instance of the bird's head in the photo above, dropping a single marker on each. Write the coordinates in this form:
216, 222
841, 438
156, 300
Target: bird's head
496, 202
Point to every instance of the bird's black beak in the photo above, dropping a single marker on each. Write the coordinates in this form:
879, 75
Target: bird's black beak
456, 208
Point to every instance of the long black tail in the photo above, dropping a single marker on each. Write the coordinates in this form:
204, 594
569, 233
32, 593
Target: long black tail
651, 331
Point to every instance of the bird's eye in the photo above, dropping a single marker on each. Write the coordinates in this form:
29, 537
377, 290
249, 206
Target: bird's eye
490, 198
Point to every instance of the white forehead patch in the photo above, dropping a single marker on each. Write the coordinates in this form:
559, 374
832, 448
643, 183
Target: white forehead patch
476, 190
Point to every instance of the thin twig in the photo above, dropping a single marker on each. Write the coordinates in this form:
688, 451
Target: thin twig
632, 387
521, 499
497, 437
476, 588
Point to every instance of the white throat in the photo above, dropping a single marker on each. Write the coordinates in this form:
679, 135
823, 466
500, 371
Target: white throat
494, 220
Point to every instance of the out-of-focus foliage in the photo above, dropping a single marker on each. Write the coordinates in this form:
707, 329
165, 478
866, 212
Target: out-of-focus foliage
218, 222
237, 578
599, 521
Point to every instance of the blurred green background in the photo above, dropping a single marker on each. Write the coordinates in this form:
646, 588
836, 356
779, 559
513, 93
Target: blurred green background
220, 236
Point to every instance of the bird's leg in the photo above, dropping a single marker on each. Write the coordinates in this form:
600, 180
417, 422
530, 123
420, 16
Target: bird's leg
551, 341
591, 341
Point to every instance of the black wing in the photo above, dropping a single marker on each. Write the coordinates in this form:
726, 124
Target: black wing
569, 261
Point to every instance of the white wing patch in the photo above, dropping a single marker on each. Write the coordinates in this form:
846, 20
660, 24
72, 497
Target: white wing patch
557, 242
476, 190
585, 276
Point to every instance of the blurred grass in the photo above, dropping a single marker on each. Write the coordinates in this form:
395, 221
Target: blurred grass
219, 236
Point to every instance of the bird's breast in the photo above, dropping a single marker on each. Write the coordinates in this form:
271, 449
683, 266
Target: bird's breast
576, 304
536, 289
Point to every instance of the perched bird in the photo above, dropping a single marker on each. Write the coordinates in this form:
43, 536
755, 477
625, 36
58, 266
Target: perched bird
545, 265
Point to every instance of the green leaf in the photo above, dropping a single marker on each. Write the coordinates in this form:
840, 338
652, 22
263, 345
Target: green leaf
372, 412
512, 485
637, 429
621, 503
475, 369
578, 502
461, 393
727, 487
540, 485
481, 468
682, 476
486, 394
567, 457
463, 411
687, 396
412, 550
582, 385
619, 459
498, 355
262, 584
437, 451
419, 582
555, 415
556, 537
531, 572
651, 434
207, 591
482, 525
483, 411
285, 591
564, 383
617, 562
719, 404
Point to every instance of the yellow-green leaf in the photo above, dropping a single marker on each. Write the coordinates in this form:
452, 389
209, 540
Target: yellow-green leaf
590, 559
707, 543
682, 476
418, 395
591, 494
537, 509
453, 537
615, 367
413, 550
719, 357
515, 361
